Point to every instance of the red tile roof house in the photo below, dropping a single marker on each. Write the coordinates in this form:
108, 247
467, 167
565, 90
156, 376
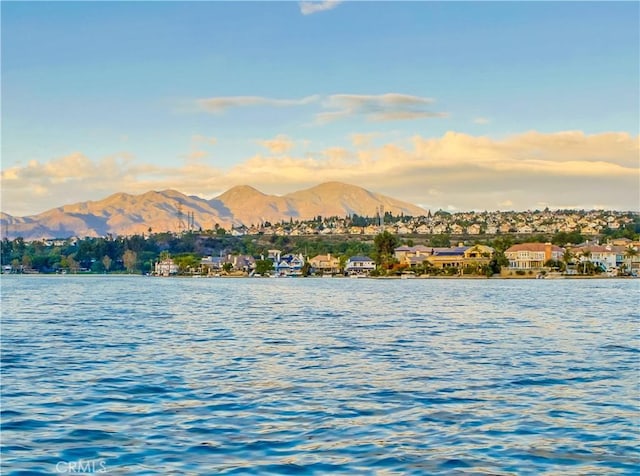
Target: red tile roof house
532, 255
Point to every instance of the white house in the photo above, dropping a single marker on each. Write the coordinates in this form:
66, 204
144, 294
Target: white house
532, 255
166, 267
360, 265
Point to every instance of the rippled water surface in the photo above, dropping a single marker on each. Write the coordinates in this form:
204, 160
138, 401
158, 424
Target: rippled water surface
136, 375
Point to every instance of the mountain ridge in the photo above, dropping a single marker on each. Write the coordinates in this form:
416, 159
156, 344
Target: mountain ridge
170, 210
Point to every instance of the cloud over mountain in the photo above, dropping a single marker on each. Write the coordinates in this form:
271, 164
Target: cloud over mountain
457, 170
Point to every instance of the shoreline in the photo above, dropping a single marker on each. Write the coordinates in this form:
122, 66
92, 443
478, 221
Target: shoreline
401, 278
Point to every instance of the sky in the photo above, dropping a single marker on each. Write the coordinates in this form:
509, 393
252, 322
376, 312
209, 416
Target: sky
448, 105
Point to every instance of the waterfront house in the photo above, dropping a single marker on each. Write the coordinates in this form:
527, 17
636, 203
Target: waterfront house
289, 265
532, 255
325, 264
213, 264
607, 257
403, 253
244, 263
360, 265
447, 257
479, 253
166, 267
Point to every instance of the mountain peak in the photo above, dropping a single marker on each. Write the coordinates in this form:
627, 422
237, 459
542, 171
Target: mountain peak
241, 191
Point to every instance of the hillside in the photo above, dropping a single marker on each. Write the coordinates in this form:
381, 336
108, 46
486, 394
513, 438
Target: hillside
169, 210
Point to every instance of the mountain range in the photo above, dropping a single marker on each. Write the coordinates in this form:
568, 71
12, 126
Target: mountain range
169, 210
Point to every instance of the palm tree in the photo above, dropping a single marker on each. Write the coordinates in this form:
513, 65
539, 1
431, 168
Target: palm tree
586, 254
630, 252
567, 257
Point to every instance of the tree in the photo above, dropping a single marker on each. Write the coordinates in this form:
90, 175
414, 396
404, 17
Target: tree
555, 264
586, 254
567, 257
630, 252
130, 259
187, 262
26, 261
306, 269
74, 266
343, 263
443, 241
263, 266
227, 267
106, 261
385, 243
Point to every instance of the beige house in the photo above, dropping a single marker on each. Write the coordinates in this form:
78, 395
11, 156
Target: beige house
325, 264
532, 255
478, 254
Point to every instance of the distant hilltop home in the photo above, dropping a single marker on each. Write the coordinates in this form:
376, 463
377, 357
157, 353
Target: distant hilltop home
532, 255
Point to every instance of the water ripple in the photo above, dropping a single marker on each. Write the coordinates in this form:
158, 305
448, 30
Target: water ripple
257, 376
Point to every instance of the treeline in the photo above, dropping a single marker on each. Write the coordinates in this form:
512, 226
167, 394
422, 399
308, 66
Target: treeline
138, 254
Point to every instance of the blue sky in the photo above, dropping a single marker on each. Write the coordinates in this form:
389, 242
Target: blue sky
100, 97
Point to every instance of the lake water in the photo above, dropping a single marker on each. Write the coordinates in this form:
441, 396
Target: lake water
139, 375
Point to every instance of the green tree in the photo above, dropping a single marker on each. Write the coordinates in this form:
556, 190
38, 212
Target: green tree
440, 241
106, 261
306, 269
15, 265
385, 243
343, 263
187, 262
263, 266
629, 253
227, 267
27, 261
586, 255
74, 266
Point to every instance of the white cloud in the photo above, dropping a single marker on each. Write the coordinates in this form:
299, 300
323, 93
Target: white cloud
373, 107
309, 8
200, 139
363, 139
278, 145
221, 104
381, 107
464, 171
196, 155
